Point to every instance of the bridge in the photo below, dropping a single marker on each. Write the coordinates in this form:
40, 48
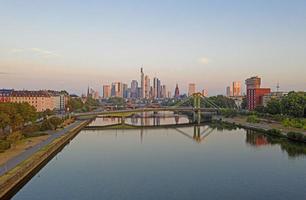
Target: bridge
196, 110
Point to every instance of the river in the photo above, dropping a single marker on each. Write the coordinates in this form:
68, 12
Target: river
172, 163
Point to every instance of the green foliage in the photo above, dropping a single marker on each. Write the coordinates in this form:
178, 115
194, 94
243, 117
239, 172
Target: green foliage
274, 132
294, 122
260, 109
46, 125
14, 137
229, 112
16, 114
294, 104
75, 104
4, 145
274, 107
56, 122
51, 124
253, 119
244, 103
297, 136
222, 101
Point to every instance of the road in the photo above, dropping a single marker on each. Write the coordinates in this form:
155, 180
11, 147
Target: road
13, 162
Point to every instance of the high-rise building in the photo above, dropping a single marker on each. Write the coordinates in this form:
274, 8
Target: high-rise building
169, 94
255, 94
142, 84
204, 93
147, 87
106, 91
163, 91
177, 92
117, 89
125, 90
229, 91
134, 89
156, 88
236, 89
253, 82
191, 89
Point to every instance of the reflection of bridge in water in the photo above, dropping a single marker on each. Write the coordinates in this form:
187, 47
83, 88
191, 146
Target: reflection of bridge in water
199, 133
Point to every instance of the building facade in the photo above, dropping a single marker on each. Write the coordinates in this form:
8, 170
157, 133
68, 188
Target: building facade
236, 89
191, 89
5, 95
41, 100
106, 91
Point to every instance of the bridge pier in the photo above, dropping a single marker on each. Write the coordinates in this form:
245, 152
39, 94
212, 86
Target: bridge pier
197, 133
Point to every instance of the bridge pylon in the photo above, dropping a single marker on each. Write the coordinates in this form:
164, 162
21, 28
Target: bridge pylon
196, 106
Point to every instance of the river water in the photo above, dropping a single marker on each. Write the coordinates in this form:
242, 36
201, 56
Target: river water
206, 162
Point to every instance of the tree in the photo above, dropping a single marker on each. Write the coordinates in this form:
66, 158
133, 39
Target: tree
4, 120
294, 104
273, 107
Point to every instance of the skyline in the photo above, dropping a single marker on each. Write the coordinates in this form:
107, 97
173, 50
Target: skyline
207, 43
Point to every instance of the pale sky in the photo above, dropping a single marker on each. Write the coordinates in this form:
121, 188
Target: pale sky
69, 45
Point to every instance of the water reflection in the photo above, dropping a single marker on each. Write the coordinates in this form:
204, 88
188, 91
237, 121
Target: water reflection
293, 149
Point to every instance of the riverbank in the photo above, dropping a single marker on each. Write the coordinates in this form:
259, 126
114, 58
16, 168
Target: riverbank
269, 127
28, 166
20, 147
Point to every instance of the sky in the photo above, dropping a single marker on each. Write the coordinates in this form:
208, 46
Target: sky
69, 45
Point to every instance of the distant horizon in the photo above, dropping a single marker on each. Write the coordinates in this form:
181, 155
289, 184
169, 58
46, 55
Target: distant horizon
72, 45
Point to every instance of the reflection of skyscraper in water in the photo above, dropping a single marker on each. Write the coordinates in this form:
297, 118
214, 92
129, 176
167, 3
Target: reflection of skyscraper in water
146, 119
256, 139
134, 120
156, 120
176, 118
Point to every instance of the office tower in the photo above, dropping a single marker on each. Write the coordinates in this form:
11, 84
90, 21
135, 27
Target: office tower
163, 91
169, 94
191, 89
142, 83
156, 90
147, 87
204, 93
124, 90
117, 89
255, 94
236, 87
134, 89
106, 91
177, 92
229, 91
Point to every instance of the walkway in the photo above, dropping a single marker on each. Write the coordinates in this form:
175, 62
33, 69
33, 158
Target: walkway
13, 162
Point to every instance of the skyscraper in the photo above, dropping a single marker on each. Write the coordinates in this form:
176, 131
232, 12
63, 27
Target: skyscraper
106, 91
125, 90
156, 88
204, 93
236, 89
134, 89
147, 87
117, 89
229, 91
163, 91
142, 84
191, 89
177, 92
